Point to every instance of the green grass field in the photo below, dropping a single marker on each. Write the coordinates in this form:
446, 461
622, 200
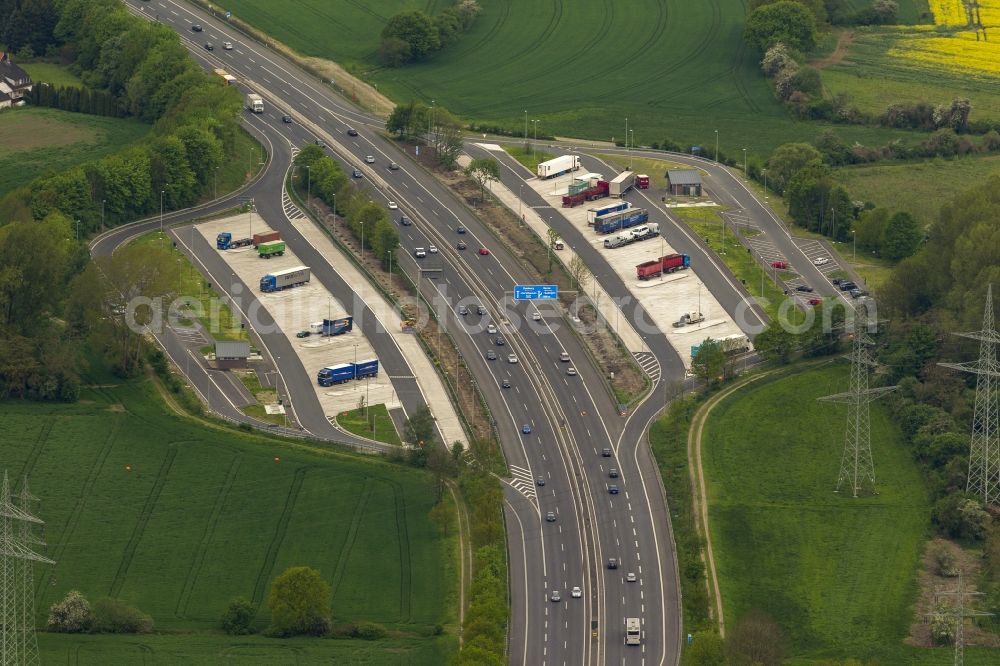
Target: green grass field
38, 141
55, 75
838, 573
206, 514
933, 182
676, 69
356, 421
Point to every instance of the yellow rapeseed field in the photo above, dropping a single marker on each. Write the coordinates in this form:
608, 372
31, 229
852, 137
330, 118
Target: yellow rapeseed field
958, 50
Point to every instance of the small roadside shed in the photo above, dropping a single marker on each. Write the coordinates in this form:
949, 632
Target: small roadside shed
231, 354
684, 182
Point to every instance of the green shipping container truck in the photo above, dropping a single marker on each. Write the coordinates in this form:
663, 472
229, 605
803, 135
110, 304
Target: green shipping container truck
273, 249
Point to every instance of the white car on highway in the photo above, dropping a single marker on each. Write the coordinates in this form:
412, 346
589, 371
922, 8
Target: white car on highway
576, 593
393, 205
821, 261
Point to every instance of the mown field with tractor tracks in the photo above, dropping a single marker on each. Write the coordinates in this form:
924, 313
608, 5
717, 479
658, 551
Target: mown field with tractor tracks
177, 518
675, 69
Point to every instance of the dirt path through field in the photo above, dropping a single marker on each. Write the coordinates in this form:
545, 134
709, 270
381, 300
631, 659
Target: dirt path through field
844, 41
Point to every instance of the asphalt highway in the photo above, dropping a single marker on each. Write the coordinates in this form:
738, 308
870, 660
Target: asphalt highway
572, 419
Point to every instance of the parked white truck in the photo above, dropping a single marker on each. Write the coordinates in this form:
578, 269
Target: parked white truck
558, 166
255, 103
622, 183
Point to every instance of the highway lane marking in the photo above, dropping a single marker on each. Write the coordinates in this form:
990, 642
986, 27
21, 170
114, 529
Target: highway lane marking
252, 60
419, 199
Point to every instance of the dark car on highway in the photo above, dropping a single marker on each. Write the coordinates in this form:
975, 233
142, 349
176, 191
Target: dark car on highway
352, 132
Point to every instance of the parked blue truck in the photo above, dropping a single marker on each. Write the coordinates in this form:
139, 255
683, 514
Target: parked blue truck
345, 372
367, 368
605, 224
337, 326
335, 374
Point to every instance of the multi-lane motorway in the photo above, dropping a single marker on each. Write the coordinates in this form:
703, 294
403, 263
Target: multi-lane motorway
572, 419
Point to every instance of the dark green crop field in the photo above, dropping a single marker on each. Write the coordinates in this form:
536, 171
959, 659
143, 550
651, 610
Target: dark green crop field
177, 518
675, 69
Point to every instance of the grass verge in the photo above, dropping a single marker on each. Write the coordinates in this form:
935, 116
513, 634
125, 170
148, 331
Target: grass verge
372, 422
52, 74
528, 157
668, 440
707, 223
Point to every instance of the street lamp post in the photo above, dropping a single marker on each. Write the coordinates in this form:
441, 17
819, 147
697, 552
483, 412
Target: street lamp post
764, 170
526, 126
335, 213
251, 160
161, 211
854, 242
716, 146
833, 213
309, 183
430, 118
389, 252
362, 241
632, 144
103, 201
520, 201
745, 165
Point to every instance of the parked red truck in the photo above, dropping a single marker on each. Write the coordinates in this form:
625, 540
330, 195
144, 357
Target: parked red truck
590, 194
642, 181
665, 264
266, 237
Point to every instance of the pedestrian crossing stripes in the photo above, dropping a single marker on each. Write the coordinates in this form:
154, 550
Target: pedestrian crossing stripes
648, 363
522, 482
190, 335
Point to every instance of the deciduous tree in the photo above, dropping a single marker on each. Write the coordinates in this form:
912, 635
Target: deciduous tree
300, 603
785, 21
484, 170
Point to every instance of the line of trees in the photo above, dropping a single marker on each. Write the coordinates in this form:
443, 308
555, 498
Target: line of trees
412, 36
436, 124
53, 302
76, 100
321, 176
149, 76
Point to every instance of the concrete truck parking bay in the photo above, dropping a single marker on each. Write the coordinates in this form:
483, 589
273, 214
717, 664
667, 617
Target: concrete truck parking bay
666, 297
293, 310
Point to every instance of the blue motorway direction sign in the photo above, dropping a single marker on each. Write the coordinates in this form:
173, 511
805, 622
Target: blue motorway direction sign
536, 292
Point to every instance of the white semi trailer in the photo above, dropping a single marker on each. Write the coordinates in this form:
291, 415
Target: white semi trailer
558, 166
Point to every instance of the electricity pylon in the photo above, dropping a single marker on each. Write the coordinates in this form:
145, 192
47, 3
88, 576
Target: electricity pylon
959, 613
17, 628
984, 451
856, 465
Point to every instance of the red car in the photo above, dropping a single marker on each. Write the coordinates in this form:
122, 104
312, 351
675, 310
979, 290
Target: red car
483, 251
815, 301
779, 264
